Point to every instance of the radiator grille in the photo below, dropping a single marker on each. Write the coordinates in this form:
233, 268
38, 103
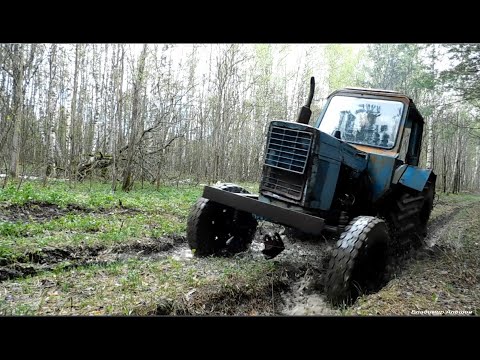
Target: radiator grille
283, 182
288, 149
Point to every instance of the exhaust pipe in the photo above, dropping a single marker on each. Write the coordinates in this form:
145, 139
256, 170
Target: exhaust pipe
305, 112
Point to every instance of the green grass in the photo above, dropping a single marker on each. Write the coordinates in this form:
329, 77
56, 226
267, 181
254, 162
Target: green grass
444, 203
135, 287
98, 195
170, 199
159, 212
454, 199
90, 230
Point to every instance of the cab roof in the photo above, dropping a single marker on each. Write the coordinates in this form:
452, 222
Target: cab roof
377, 92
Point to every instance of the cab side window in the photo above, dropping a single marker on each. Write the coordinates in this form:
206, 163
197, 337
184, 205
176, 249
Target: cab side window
413, 153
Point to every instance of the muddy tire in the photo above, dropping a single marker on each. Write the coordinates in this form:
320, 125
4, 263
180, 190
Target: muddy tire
408, 217
216, 229
358, 262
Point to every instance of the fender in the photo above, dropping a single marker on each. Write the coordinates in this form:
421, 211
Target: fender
411, 176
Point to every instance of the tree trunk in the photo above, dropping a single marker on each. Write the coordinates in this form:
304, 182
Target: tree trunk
18, 73
430, 157
476, 175
456, 163
73, 116
52, 136
128, 180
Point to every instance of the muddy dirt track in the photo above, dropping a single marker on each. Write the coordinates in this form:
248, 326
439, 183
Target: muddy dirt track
47, 258
296, 284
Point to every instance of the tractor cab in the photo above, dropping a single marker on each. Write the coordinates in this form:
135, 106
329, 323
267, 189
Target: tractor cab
374, 121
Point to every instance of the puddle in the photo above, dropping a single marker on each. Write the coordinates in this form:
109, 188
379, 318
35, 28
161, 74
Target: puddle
182, 254
305, 299
257, 246
313, 304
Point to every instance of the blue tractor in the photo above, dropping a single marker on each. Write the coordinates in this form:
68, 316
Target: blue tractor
353, 175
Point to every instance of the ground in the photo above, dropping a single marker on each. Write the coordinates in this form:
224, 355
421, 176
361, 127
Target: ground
79, 249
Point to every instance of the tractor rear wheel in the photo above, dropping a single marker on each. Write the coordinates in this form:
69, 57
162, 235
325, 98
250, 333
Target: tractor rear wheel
216, 229
408, 217
358, 262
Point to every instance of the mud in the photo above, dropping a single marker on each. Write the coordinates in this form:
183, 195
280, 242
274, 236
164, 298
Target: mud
235, 301
309, 259
304, 301
182, 253
150, 246
39, 211
49, 258
437, 226
36, 211
304, 261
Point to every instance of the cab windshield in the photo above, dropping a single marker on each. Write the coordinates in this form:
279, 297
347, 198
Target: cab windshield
371, 122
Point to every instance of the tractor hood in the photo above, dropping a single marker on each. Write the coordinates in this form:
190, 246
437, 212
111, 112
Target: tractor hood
302, 164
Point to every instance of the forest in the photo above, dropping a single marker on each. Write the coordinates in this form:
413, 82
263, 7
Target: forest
157, 113
104, 149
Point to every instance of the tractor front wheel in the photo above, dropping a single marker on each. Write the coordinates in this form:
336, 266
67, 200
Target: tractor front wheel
359, 260
216, 229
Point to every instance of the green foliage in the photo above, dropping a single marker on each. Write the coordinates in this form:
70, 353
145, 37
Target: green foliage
399, 67
464, 77
343, 66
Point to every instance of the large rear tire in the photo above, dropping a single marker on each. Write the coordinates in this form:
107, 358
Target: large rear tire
358, 263
408, 217
216, 229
